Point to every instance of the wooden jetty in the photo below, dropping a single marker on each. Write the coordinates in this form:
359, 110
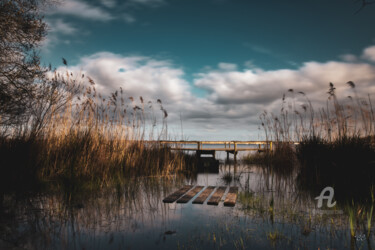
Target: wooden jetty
187, 193
230, 147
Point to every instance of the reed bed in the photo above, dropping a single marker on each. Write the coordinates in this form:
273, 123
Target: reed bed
338, 118
76, 132
336, 141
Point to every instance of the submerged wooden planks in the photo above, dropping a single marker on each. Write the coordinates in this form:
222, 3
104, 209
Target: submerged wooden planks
185, 194
231, 198
176, 195
203, 196
216, 197
189, 195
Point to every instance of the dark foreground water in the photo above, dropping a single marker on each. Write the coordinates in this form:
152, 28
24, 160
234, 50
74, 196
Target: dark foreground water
271, 212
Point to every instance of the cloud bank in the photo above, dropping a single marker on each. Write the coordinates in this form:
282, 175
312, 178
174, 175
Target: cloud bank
62, 28
235, 98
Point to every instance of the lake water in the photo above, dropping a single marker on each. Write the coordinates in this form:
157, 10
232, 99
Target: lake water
270, 212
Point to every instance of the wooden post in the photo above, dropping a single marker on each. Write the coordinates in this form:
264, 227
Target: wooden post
235, 164
271, 146
235, 151
199, 145
227, 155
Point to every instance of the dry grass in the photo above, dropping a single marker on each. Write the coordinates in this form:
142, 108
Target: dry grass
76, 132
339, 118
336, 142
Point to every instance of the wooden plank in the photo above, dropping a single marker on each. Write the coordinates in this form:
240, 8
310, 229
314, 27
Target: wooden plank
203, 196
216, 197
230, 200
176, 195
189, 195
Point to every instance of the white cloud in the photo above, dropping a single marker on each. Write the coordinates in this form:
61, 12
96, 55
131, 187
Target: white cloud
227, 66
153, 3
57, 30
160, 79
59, 26
369, 53
236, 98
258, 49
137, 75
128, 18
81, 9
250, 64
265, 87
348, 58
106, 12
108, 3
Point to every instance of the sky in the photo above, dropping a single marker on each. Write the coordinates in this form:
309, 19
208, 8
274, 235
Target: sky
215, 64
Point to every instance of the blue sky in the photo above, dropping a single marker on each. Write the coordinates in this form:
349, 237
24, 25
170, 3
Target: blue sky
217, 64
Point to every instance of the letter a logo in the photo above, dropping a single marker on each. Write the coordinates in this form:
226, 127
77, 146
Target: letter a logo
327, 197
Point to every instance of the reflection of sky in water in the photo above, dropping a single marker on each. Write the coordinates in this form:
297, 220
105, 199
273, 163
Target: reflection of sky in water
138, 219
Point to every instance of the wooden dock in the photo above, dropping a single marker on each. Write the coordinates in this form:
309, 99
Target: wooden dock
187, 193
230, 147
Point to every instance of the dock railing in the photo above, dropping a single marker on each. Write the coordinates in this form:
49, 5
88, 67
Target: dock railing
228, 145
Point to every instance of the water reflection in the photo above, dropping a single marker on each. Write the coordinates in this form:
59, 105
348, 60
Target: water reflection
271, 211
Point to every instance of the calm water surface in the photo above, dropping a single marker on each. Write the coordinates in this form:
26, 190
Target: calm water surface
270, 213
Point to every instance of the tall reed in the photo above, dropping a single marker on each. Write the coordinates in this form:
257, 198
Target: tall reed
336, 141
76, 132
352, 116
